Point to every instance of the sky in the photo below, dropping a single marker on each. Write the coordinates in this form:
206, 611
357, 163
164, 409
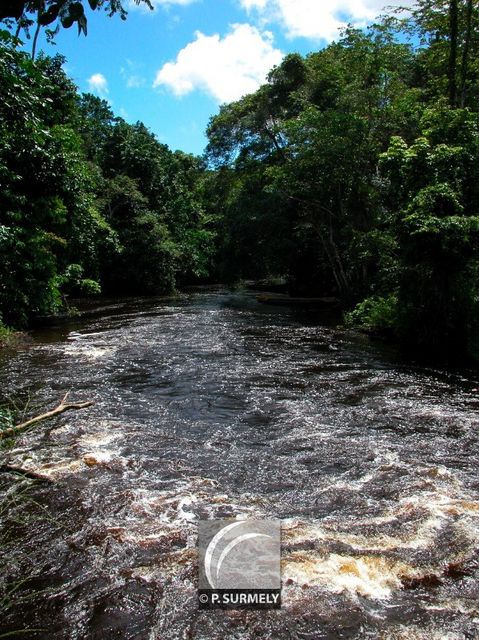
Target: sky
173, 67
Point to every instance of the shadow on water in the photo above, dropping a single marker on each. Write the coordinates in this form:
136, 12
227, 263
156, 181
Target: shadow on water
211, 405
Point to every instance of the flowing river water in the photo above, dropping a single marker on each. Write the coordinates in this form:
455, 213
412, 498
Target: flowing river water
212, 405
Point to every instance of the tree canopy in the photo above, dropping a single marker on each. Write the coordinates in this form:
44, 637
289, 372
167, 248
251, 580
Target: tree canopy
88, 203
352, 172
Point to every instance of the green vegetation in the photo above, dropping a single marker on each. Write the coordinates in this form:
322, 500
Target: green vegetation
88, 203
352, 172
5, 335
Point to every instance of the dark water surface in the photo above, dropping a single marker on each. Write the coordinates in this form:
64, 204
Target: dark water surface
212, 406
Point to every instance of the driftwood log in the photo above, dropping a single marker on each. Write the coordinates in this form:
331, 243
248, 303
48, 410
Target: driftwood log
26, 473
61, 408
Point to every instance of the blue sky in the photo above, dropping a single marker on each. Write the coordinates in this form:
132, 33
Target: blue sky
172, 67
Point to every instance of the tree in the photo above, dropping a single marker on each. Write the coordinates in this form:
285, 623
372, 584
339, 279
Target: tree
449, 39
466, 52
453, 46
32, 213
151, 197
48, 217
88, 201
145, 263
431, 209
96, 120
304, 148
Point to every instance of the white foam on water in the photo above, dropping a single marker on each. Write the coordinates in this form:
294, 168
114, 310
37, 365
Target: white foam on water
412, 632
371, 576
89, 346
458, 606
95, 449
98, 440
88, 352
370, 573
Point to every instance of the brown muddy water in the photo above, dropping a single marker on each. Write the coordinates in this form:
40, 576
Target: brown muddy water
214, 406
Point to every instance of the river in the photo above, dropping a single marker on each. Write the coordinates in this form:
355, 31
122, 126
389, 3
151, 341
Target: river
212, 405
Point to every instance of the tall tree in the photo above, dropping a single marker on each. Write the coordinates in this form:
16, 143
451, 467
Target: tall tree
452, 66
466, 51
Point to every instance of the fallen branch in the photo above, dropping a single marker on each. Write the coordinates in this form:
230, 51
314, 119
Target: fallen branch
31, 475
61, 408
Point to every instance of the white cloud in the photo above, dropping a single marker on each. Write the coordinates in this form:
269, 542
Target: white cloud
135, 82
319, 19
98, 84
129, 73
132, 4
226, 68
158, 3
253, 4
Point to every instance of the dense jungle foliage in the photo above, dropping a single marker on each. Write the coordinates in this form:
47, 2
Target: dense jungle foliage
353, 172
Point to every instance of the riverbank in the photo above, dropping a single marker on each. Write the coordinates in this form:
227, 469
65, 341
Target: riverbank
11, 339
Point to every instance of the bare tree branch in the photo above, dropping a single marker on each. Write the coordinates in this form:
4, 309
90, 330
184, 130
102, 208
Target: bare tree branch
61, 408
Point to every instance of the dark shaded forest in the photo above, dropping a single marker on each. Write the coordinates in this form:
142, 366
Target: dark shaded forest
352, 172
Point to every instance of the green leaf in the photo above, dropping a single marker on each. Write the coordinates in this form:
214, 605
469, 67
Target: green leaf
67, 21
50, 15
82, 25
76, 11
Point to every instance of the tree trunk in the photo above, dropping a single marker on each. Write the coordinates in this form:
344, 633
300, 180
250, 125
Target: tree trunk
41, 7
465, 53
452, 67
